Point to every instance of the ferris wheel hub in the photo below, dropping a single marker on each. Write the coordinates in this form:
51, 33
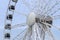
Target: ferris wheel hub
33, 18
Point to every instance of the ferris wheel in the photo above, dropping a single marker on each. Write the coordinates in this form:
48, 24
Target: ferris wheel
38, 22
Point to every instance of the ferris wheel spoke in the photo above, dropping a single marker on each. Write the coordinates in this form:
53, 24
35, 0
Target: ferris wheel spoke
55, 11
50, 33
36, 32
18, 25
26, 4
40, 27
56, 17
19, 34
26, 36
38, 37
24, 14
51, 7
51, 25
45, 6
41, 33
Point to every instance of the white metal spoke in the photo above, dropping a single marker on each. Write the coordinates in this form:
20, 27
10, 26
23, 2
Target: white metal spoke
51, 25
42, 31
34, 32
26, 4
38, 33
24, 14
45, 6
41, 27
56, 17
20, 34
18, 25
55, 11
42, 34
26, 34
52, 7
50, 34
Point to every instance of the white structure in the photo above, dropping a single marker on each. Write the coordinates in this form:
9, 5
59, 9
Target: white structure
36, 26
38, 21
